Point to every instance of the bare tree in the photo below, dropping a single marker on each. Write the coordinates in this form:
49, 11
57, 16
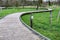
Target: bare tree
49, 3
1, 2
58, 2
39, 4
23, 3
6, 4
16, 3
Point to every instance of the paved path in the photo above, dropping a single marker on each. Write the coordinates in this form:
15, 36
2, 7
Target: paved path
11, 28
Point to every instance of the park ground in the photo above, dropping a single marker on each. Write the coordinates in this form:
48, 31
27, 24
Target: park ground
40, 21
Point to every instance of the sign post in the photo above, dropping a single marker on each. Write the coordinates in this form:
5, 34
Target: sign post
31, 20
58, 17
50, 17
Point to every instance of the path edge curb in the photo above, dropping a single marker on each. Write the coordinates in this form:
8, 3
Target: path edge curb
34, 31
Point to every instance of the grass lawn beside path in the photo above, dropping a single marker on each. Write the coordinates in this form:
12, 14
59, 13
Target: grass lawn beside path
41, 24
5, 12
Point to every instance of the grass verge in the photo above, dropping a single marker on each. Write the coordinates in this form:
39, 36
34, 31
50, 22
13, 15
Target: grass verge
42, 25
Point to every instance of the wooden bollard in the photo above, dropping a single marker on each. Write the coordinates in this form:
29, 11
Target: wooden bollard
58, 17
50, 17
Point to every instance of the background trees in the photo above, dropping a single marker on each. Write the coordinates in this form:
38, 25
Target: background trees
6, 4
1, 2
58, 2
49, 2
22, 3
39, 3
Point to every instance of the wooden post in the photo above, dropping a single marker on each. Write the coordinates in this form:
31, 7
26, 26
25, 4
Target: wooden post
50, 18
1, 8
0, 11
31, 21
58, 17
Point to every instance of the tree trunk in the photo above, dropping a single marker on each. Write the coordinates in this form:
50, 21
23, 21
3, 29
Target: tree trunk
39, 3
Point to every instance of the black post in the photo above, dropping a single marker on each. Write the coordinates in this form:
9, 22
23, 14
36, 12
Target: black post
31, 20
50, 18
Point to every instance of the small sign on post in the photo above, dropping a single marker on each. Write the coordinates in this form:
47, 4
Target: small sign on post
31, 20
50, 17
31, 17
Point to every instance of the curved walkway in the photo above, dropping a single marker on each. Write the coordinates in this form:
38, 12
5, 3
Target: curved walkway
11, 28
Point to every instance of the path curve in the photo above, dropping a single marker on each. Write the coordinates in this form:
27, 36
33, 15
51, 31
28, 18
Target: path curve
11, 28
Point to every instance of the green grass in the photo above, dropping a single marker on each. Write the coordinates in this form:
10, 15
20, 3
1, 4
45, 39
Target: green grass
42, 25
5, 12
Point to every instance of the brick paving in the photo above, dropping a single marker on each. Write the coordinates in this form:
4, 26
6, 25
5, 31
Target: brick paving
11, 28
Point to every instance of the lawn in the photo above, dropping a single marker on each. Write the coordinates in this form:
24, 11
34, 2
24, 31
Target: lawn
5, 12
41, 24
